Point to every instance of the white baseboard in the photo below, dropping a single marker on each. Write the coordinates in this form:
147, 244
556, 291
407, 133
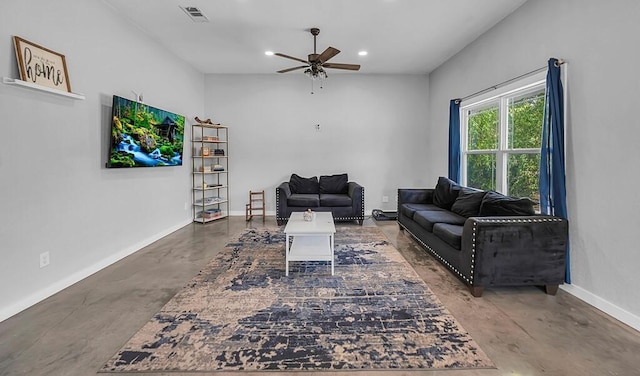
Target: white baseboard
62, 284
605, 306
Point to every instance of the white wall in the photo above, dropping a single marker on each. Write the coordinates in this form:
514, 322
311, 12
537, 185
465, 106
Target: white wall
599, 41
55, 193
372, 127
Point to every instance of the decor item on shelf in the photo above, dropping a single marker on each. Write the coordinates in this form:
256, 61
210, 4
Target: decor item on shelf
309, 215
217, 167
209, 200
218, 152
144, 136
40, 65
206, 121
206, 200
206, 151
316, 63
210, 214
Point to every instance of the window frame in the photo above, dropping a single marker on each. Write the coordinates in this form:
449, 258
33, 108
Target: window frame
500, 96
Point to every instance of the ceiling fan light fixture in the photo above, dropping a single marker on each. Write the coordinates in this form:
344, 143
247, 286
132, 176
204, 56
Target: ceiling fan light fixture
363, 53
317, 74
269, 53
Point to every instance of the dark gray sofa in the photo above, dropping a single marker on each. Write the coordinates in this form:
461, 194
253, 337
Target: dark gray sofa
334, 193
486, 239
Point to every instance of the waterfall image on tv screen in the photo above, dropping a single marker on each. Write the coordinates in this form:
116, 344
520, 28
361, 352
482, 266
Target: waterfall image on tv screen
144, 136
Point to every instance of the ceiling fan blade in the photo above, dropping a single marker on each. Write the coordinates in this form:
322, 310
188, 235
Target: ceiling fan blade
353, 67
328, 54
292, 69
291, 57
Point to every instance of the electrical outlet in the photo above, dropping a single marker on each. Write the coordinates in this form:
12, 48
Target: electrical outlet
44, 259
318, 128
385, 198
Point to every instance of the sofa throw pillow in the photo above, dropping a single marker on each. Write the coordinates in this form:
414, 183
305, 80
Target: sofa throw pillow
302, 185
468, 202
445, 193
334, 184
497, 204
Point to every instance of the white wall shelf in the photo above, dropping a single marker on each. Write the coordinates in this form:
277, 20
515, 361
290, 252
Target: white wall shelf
29, 85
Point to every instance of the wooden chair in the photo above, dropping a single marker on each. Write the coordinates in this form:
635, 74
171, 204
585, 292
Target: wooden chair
256, 203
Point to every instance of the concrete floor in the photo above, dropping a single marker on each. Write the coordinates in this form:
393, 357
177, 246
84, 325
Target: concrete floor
524, 331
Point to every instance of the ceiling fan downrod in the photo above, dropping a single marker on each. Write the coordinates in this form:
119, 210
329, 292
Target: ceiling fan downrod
314, 56
314, 31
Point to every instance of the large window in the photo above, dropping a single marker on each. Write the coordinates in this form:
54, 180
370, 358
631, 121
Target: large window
501, 140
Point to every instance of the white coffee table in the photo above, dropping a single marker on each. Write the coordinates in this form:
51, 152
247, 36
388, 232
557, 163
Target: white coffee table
311, 240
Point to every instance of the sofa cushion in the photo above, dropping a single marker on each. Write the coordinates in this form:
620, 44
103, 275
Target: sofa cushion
409, 209
497, 204
467, 204
327, 199
304, 200
336, 184
445, 193
302, 185
428, 218
450, 234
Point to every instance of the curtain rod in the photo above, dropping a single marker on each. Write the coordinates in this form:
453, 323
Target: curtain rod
494, 87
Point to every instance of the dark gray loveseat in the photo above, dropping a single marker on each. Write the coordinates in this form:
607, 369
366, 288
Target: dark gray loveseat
486, 239
334, 193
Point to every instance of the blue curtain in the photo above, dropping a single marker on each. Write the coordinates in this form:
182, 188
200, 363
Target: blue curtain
454, 140
553, 192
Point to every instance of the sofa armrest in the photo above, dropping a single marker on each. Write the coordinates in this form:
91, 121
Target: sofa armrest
283, 192
354, 189
284, 189
356, 192
515, 249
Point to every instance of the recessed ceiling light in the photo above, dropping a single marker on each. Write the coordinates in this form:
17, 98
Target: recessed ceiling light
268, 53
363, 53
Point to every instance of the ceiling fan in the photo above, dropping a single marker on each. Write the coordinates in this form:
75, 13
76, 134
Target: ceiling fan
315, 63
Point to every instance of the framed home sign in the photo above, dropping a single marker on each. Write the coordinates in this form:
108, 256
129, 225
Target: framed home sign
40, 65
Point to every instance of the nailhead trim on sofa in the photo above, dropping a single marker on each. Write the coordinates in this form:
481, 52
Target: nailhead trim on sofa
434, 253
469, 279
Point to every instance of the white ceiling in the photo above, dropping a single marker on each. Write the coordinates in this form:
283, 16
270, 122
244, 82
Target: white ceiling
401, 36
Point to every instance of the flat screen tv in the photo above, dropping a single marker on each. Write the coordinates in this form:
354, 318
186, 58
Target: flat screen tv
144, 136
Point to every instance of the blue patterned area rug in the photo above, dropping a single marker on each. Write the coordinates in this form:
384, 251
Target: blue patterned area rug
242, 313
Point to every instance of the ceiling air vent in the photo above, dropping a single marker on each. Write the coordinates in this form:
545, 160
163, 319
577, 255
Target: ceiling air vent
195, 14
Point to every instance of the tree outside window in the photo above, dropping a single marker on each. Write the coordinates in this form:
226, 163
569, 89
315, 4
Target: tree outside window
501, 144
